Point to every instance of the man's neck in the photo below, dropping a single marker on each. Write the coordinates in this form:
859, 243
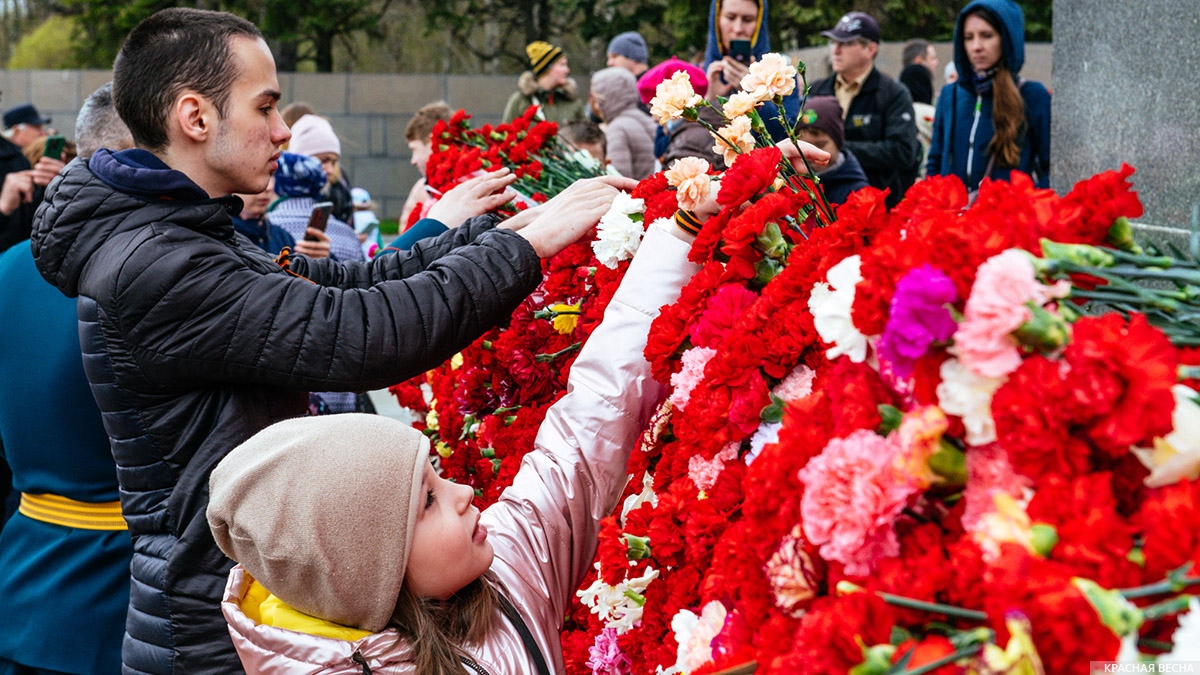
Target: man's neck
848, 76
192, 167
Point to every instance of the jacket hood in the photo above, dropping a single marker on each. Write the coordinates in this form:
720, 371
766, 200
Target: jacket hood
93, 200
527, 84
1010, 22
615, 91
761, 44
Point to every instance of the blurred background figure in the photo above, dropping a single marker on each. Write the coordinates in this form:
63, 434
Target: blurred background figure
991, 121
23, 181
548, 85
24, 124
298, 183
314, 136
366, 223
629, 132
821, 125
418, 134
587, 138
252, 223
679, 137
64, 557
920, 63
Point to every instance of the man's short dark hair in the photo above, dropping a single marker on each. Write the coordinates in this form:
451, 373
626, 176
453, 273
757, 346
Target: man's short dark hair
583, 132
171, 51
420, 127
913, 50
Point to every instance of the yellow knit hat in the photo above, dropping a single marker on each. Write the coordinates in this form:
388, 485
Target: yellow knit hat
542, 55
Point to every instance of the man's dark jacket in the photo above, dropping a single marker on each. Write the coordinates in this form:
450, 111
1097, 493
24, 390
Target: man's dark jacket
15, 226
881, 131
194, 340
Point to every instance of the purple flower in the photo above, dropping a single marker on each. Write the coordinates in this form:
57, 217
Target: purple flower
605, 657
919, 317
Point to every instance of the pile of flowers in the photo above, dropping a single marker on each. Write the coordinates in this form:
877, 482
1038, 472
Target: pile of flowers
902, 443
528, 145
936, 439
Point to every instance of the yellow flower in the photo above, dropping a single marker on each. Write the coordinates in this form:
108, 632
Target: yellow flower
566, 317
456, 361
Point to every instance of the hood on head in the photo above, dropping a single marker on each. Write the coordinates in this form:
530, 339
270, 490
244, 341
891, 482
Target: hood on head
615, 91
761, 44
1011, 24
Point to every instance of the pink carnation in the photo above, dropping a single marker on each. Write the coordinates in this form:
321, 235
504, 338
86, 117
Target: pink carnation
988, 472
724, 309
690, 375
984, 341
704, 472
852, 496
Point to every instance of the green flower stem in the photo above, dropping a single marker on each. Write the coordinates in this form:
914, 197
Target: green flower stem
945, 660
825, 209
1174, 605
935, 607
546, 358
1166, 586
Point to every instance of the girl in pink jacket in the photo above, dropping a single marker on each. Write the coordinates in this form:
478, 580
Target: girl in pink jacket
356, 557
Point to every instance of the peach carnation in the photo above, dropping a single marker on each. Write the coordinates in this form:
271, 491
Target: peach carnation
672, 97
689, 176
772, 75
738, 133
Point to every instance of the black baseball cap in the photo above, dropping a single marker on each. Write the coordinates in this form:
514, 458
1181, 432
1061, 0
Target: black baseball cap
853, 26
24, 114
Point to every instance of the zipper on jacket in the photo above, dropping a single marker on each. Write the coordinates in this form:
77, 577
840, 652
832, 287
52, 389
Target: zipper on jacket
358, 658
474, 666
971, 141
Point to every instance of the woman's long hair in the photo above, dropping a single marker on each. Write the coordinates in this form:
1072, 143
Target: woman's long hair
437, 630
1008, 108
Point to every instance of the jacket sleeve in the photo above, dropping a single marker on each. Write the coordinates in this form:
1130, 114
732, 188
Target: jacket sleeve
617, 150
194, 311
899, 148
941, 117
1037, 103
545, 525
351, 274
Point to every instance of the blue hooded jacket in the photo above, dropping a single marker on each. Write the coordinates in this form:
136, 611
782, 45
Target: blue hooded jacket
952, 150
760, 45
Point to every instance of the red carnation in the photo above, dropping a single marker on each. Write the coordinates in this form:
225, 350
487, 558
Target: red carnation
750, 176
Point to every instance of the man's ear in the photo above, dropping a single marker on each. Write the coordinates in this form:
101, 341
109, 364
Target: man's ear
194, 115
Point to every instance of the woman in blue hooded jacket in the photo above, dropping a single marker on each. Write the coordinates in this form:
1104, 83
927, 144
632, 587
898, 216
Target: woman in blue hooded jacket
991, 121
743, 20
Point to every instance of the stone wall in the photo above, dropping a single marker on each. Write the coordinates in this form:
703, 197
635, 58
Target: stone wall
1126, 93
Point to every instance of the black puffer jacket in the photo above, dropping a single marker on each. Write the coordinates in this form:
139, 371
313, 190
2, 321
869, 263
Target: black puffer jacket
194, 340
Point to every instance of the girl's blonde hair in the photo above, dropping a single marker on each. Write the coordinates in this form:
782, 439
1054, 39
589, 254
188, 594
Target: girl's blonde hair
437, 630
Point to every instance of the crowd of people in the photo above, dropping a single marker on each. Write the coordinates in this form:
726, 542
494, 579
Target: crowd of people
204, 287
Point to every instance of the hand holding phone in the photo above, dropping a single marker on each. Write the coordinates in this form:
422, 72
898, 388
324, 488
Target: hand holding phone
54, 147
739, 50
319, 218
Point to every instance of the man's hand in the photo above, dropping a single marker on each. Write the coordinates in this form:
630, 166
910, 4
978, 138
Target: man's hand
817, 157
18, 189
314, 249
473, 197
564, 219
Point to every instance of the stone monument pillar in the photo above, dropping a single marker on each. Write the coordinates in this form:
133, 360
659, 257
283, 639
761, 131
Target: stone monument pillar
1125, 90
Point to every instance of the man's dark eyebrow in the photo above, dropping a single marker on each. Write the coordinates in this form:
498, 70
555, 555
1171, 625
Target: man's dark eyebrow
272, 94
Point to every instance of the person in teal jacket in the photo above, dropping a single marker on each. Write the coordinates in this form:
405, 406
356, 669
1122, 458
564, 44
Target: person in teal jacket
64, 556
991, 121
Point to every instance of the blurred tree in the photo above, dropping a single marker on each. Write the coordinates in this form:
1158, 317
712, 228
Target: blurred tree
43, 48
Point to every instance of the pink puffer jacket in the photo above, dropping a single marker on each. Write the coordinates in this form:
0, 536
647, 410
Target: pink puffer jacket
545, 525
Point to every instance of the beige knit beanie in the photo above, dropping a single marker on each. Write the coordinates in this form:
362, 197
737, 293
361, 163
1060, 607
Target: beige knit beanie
320, 510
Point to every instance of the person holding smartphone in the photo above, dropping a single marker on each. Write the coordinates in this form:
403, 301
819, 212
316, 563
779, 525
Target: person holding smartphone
737, 37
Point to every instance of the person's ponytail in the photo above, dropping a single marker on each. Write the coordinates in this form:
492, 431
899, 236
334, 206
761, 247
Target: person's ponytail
1008, 118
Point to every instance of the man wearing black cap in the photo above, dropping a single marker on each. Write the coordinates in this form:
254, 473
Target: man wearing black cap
20, 192
879, 124
25, 125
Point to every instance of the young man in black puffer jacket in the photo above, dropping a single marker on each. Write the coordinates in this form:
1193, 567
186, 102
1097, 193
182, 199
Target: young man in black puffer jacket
194, 339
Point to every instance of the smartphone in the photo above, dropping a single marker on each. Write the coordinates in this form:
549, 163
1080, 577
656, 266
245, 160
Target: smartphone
319, 218
54, 147
739, 50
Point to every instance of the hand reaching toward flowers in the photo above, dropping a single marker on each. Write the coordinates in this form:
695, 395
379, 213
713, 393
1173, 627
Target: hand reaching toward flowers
553, 226
816, 157
473, 197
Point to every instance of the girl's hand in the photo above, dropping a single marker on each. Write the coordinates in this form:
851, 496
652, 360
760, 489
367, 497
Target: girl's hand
817, 157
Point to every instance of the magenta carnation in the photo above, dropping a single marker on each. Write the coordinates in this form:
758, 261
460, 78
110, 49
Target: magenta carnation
919, 317
724, 308
852, 496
